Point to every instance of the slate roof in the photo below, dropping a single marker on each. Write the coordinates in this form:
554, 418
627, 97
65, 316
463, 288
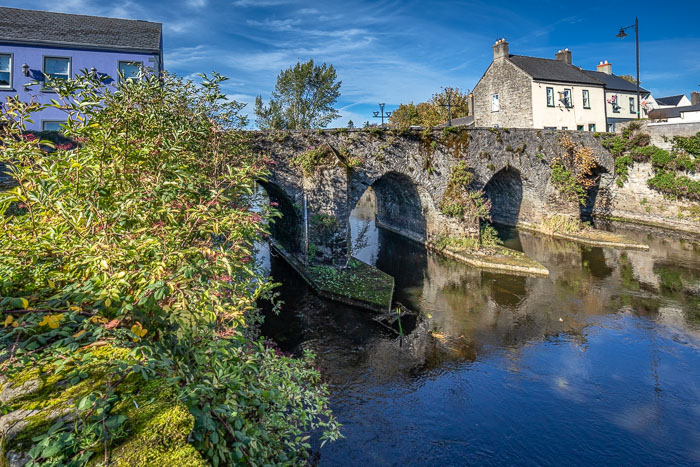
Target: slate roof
459, 121
672, 112
545, 69
61, 29
614, 82
670, 100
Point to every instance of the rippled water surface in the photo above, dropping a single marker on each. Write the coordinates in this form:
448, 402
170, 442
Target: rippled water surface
597, 364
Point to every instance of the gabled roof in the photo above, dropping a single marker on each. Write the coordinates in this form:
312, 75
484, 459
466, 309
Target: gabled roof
545, 69
672, 112
670, 100
64, 30
614, 82
459, 121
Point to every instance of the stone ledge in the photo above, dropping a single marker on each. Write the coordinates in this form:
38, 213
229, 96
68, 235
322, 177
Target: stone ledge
360, 285
593, 237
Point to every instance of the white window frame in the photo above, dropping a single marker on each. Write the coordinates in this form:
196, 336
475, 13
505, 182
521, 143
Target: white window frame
70, 64
495, 103
131, 62
568, 103
44, 122
12, 75
550, 94
586, 99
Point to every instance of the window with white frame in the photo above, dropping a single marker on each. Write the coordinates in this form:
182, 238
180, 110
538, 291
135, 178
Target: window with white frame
5, 71
129, 70
51, 125
550, 97
495, 103
586, 99
568, 102
57, 67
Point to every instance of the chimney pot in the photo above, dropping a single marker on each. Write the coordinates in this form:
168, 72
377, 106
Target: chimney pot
500, 49
564, 56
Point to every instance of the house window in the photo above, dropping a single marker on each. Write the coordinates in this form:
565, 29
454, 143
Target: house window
586, 99
57, 67
611, 128
591, 127
550, 97
579, 127
129, 70
632, 105
495, 104
5, 71
568, 103
51, 125
550, 128
613, 103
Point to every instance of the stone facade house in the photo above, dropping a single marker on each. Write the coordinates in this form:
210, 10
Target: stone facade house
620, 96
38, 43
529, 92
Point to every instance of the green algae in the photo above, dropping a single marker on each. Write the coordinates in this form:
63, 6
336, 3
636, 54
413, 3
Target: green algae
157, 424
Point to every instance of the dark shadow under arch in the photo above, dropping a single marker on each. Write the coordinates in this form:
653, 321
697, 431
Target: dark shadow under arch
399, 205
586, 210
505, 190
287, 230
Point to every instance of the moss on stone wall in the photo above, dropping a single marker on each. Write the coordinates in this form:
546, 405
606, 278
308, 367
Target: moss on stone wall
155, 424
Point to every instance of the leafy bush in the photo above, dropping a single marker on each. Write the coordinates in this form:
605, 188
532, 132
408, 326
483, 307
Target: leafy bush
572, 171
141, 236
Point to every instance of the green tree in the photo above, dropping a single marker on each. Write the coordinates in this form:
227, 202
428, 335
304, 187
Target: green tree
304, 97
140, 236
431, 113
630, 78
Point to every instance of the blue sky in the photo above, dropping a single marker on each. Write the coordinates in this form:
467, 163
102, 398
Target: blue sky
402, 51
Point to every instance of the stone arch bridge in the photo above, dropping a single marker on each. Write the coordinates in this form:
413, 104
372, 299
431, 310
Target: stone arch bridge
409, 171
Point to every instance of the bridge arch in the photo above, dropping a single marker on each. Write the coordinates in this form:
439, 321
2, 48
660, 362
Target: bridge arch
505, 190
288, 229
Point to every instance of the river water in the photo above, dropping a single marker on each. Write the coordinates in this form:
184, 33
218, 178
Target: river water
597, 364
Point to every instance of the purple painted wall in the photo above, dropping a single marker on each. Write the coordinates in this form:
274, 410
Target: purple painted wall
106, 63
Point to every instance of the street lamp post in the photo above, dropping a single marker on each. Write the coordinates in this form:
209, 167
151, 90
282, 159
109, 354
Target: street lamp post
622, 34
382, 114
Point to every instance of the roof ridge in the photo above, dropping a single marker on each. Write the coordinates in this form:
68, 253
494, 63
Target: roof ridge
80, 15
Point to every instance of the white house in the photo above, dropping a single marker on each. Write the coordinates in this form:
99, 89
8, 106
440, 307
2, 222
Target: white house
620, 96
530, 92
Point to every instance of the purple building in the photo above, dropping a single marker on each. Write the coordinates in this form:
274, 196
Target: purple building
37, 43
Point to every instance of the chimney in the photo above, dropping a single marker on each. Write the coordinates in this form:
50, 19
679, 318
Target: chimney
500, 49
695, 98
564, 56
470, 105
605, 67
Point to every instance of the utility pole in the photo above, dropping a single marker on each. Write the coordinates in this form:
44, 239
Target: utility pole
381, 114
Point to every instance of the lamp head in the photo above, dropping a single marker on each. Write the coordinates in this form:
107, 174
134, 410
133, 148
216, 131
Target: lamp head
622, 33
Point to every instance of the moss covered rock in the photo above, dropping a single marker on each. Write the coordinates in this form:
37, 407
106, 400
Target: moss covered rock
155, 429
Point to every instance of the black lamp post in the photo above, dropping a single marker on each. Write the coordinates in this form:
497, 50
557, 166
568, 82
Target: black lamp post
622, 34
382, 114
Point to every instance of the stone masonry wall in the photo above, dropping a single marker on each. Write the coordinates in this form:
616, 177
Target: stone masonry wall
514, 90
635, 201
410, 171
662, 134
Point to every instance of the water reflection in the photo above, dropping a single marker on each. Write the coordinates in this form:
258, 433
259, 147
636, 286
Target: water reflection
597, 364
